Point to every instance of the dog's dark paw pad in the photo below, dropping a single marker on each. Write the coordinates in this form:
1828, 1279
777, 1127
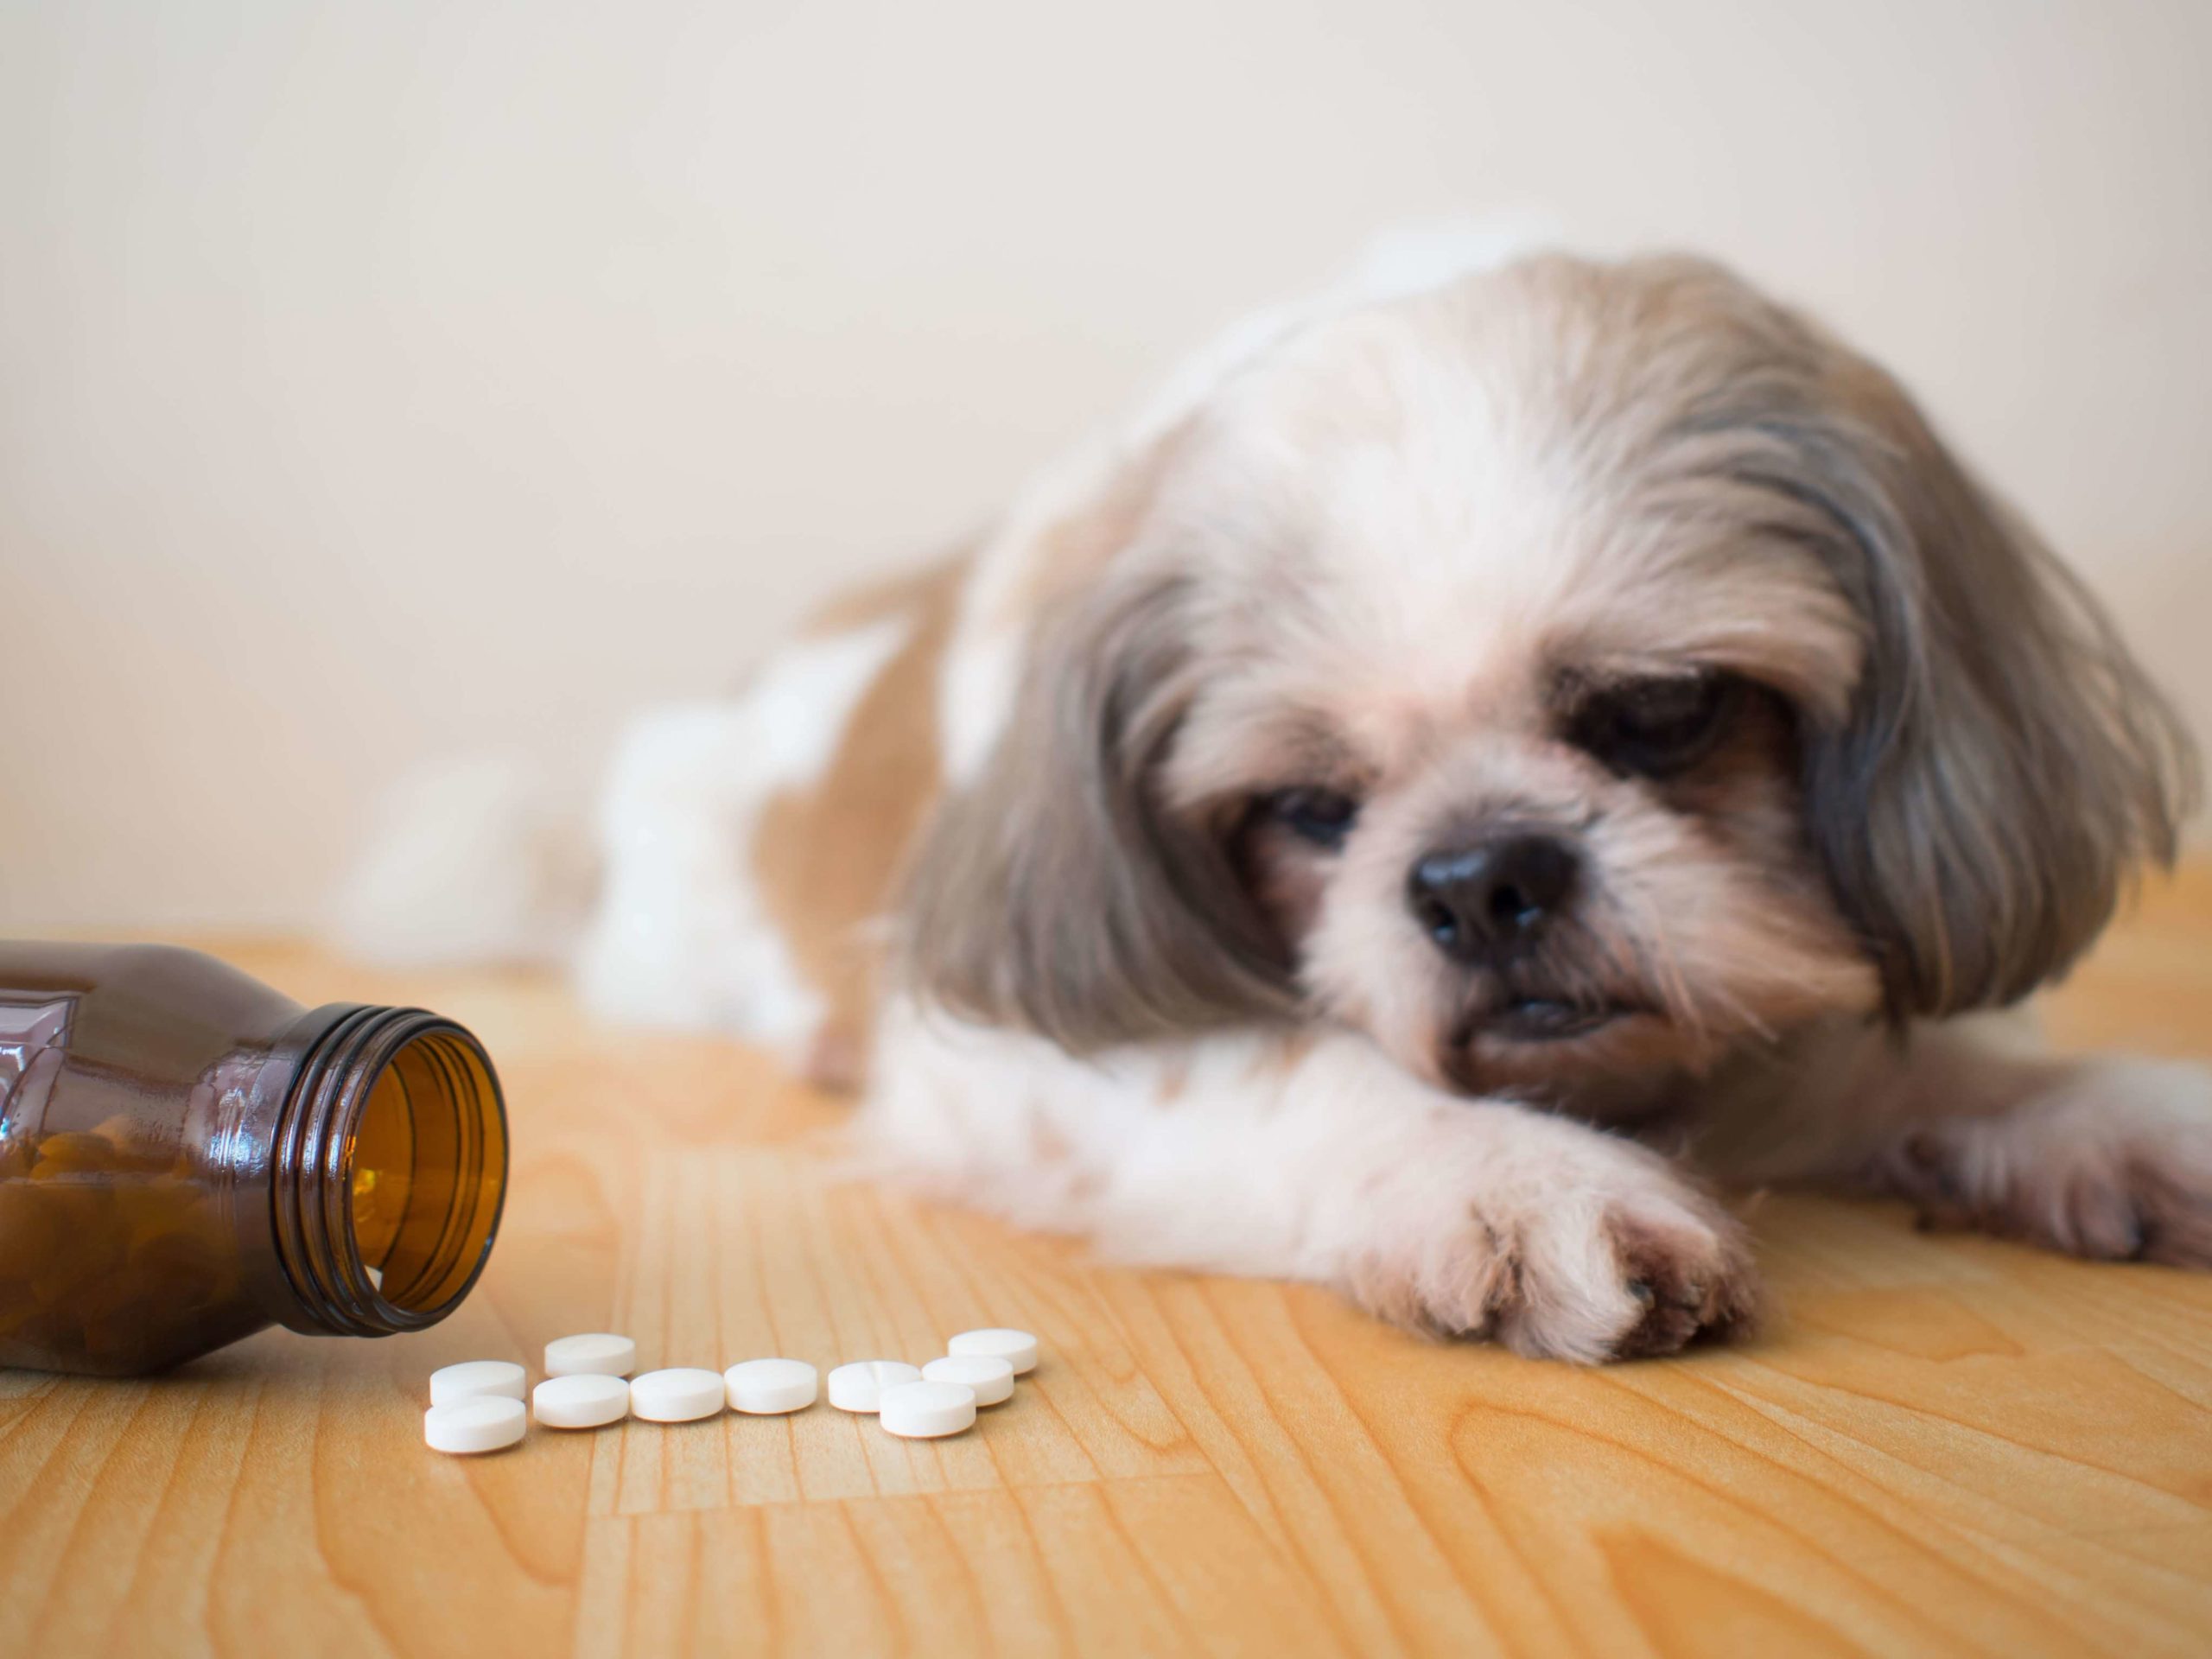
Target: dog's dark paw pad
1692, 1284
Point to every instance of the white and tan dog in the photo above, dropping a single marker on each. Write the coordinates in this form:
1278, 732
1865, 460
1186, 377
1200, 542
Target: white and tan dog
1461, 763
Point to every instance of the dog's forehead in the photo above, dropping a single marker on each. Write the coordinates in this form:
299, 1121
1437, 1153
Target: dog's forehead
1411, 497
1449, 510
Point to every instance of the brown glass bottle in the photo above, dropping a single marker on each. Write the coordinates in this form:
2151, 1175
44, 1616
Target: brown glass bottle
187, 1156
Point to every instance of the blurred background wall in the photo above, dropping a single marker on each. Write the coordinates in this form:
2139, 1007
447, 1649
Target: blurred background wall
379, 381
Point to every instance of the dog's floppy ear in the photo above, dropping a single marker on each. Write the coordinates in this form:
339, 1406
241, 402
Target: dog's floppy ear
2005, 765
1059, 891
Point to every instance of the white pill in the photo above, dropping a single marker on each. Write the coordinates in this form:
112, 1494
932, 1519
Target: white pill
767, 1388
473, 1380
583, 1400
601, 1353
924, 1411
990, 1379
482, 1422
678, 1396
1017, 1348
860, 1386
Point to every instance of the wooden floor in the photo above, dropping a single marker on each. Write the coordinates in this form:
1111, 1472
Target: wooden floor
1944, 1446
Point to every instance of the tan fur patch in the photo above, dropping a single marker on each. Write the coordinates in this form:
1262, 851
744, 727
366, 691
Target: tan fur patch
921, 592
827, 859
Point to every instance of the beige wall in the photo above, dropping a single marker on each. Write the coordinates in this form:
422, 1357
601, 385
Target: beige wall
380, 380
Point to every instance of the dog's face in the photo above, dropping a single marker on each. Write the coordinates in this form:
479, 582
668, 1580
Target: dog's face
1571, 675
1498, 705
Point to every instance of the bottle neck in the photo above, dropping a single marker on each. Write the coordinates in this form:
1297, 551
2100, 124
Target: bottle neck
388, 1170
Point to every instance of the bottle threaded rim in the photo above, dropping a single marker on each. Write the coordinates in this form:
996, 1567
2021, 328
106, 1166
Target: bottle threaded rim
455, 1102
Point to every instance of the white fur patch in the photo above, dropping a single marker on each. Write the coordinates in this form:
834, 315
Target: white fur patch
681, 936
470, 860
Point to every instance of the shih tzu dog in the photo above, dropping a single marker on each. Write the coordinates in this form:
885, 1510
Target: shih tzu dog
1464, 769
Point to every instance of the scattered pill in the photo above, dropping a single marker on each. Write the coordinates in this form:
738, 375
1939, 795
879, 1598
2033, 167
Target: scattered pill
990, 1379
860, 1386
768, 1388
1017, 1348
583, 1400
479, 1423
680, 1395
926, 1411
475, 1379
477, 1405
598, 1354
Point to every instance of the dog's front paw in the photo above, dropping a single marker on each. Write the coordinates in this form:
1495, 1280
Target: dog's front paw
2115, 1166
1604, 1253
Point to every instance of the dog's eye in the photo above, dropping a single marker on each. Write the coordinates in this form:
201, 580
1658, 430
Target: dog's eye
1657, 728
1324, 817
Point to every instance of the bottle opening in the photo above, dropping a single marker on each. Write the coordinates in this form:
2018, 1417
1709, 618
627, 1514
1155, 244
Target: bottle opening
392, 1166
424, 1173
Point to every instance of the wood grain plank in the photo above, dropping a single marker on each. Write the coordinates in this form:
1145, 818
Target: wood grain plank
1943, 1444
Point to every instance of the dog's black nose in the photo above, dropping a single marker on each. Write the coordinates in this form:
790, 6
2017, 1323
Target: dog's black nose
1483, 903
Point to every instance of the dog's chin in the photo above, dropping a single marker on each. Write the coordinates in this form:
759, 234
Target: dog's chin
1560, 1047
1527, 1021
1526, 1016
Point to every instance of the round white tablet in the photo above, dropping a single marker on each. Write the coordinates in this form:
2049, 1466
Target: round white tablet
482, 1422
1017, 1348
860, 1386
679, 1396
990, 1379
474, 1379
924, 1411
767, 1388
601, 1353
584, 1401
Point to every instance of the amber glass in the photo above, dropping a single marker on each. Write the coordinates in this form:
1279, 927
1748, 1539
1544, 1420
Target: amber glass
187, 1156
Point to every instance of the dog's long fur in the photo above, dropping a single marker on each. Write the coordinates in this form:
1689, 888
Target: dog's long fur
1432, 557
